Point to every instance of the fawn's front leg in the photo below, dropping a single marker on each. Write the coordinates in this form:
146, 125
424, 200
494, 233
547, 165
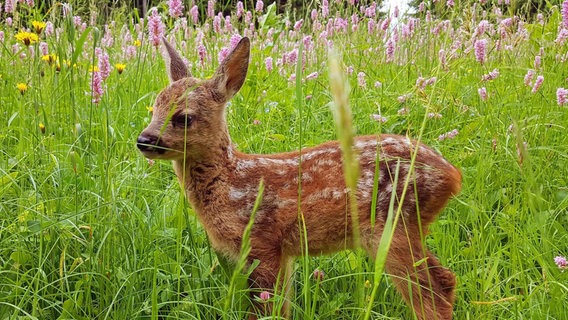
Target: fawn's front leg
273, 269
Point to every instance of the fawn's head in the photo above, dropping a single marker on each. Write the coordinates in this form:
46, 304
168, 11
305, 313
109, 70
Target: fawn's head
189, 115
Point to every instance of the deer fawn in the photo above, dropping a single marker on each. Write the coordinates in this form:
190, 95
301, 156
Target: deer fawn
188, 127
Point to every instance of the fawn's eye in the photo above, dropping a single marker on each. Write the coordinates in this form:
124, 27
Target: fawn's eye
181, 120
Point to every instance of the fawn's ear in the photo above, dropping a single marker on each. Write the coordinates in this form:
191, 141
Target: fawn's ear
174, 63
232, 72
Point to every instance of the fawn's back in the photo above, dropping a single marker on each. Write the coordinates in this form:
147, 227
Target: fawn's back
316, 175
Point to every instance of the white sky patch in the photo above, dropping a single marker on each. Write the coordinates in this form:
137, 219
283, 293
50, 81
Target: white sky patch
389, 6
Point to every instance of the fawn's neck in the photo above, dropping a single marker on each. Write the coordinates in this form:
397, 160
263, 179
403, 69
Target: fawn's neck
206, 184
203, 178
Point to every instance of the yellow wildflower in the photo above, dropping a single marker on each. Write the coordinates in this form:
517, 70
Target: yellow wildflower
150, 109
38, 26
22, 87
93, 69
137, 43
120, 67
42, 127
49, 58
24, 216
27, 37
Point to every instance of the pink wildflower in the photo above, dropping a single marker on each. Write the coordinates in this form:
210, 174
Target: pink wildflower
378, 84
325, 9
564, 14
319, 275
480, 50
268, 64
434, 115
448, 135
240, 9
156, 27
97, 90
561, 96
235, 38
482, 93
420, 82
481, 28
292, 77
538, 82
307, 43
529, 77
202, 52
10, 6
248, 17
379, 118
442, 57
175, 8
385, 24
312, 75
361, 79
561, 261
1, 36
130, 51
537, 62
259, 6
48, 29
540, 19
404, 98
371, 11
217, 24
43, 48
104, 63
431, 81
390, 48
450, 3
108, 39
264, 295
298, 24
256, 122
194, 13
210, 8
65, 9
371, 26
491, 75
77, 21
562, 36
292, 56
223, 53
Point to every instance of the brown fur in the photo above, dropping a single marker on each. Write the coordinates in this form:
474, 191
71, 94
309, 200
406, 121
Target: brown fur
221, 184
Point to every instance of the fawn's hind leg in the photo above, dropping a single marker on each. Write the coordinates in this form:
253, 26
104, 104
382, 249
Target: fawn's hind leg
424, 283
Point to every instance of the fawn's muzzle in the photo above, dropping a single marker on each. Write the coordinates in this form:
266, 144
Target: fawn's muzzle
147, 143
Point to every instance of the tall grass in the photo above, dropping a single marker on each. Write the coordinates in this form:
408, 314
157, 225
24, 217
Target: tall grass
90, 229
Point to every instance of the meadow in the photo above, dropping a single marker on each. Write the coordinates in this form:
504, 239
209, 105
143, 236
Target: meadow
90, 229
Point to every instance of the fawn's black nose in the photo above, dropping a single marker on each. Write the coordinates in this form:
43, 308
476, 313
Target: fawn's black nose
148, 143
